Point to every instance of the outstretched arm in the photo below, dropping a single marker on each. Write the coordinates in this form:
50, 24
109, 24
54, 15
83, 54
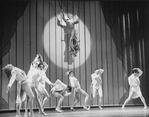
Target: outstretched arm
11, 81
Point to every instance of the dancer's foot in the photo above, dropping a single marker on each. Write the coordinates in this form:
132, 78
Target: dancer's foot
45, 114
100, 107
17, 115
26, 114
72, 109
87, 109
145, 107
59, 110
31, 114
123, 107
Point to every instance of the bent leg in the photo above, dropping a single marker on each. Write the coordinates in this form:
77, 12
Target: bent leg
143, 101
86, 97
58, 108
76, 99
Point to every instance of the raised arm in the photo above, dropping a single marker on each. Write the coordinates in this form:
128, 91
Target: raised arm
140, 72
63, 17
59, 24
45, 66
77, 20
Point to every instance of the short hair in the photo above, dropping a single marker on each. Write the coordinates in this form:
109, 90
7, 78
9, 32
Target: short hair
135, 71
69, 72
69, 88
7, 70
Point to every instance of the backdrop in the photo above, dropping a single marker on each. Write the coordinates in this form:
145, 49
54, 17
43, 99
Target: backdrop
111, 38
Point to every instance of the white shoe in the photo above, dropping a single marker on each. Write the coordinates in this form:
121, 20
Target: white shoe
72, 109
145, 107
100, 107
123, 107
58, 110
87, 109
17, 116
25, 114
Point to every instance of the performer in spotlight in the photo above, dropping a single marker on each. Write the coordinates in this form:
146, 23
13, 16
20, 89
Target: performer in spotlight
70, 31
23, 87
134, 91
74, 83
60, 90
96, 85
37, 77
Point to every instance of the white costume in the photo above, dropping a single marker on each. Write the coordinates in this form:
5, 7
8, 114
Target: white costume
74, 83
20, 76
96, 84
134, 83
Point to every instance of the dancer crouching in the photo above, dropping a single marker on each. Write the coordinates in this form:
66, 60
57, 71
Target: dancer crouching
60, 90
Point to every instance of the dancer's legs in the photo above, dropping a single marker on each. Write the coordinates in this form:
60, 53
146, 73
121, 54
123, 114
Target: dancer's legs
143, 101
100, 97
56, 94
128, 99
81, 91
26, 87
76, 99
18, 99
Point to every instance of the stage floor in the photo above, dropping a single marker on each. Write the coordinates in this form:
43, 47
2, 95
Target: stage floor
94, 112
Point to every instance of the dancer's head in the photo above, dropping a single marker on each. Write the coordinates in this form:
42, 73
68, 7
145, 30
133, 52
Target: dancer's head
98, 71
135, 71
70, 73
38, 60
70, 16
7, 69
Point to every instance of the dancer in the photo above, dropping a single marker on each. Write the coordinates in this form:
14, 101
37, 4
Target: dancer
71, 32
96, 85
40, 86
23, 87
35, 75
74, 83
60, 90
134, 91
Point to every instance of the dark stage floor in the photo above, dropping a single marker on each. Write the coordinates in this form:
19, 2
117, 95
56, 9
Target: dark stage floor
94, 112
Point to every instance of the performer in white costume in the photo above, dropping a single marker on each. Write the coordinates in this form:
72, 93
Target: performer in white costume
37, 76
134, 91
23, 86
40, 85
60, 90
74, 83
96, 85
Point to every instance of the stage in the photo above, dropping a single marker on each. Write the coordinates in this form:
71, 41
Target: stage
94, 112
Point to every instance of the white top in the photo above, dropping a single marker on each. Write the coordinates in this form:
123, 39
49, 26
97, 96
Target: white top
74, 82
96, 80
18, 75
134, 81
58, 85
